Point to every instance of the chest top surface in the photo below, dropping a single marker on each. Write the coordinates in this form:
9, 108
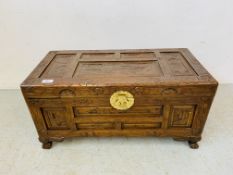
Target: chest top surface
119, 67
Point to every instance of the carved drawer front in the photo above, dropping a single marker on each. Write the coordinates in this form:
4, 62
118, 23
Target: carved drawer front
141, 125
151, 110
181, 116
137, 117
55, 118
94, 126
117, 126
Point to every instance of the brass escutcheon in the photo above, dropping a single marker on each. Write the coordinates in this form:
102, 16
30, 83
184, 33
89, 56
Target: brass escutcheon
121, 100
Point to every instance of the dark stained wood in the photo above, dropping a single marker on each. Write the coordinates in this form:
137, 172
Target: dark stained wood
68, 94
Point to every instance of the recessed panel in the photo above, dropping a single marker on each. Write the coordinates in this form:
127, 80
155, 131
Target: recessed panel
124, 69
55, 118
59, 66
97, 55
141, 55
177, 64
182, 116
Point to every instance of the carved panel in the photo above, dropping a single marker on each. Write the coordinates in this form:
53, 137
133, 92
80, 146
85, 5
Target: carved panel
139, 90
98, 91
169, 91
119, 69
58, 67
182, 116
66, 93
177, 64
55, 118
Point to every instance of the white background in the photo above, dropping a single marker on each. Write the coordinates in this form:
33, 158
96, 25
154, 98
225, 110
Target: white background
30, 28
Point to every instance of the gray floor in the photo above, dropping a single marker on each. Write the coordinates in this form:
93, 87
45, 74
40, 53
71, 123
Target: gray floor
21, 153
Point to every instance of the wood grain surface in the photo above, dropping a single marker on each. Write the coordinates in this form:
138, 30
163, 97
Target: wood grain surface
68, 94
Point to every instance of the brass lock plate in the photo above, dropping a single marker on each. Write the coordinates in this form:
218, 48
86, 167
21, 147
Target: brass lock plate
122, 100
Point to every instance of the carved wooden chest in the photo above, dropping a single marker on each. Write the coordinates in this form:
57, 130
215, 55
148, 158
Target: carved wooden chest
153, 92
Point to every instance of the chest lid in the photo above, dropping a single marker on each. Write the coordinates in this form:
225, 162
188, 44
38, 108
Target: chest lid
119, 67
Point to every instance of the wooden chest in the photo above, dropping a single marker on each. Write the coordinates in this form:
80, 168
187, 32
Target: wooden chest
153, 92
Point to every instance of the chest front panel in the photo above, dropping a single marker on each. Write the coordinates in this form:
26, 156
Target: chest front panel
153, 109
